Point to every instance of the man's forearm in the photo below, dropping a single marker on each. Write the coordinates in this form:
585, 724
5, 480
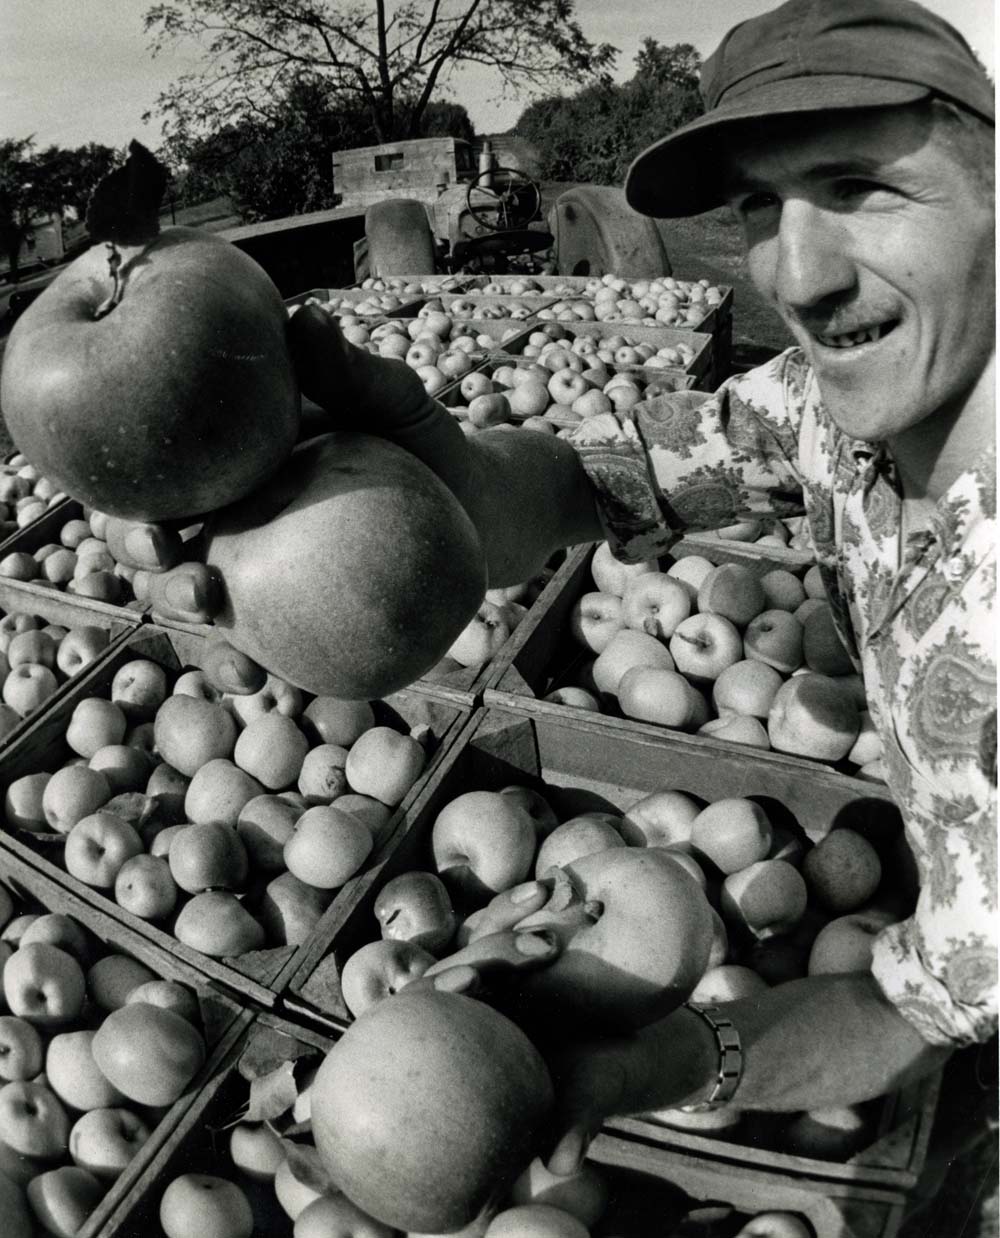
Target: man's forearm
815, 1043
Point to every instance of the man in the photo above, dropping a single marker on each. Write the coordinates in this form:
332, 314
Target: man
854, 142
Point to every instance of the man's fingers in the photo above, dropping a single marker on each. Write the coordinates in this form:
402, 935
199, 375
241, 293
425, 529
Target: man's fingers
143, 545
502, 952
192, 593
229, 670
571, 1150
508, 908
590, 1083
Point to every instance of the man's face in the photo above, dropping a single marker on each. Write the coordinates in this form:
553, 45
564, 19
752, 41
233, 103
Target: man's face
876, 248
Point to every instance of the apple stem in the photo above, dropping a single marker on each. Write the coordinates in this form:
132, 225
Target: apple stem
118, 260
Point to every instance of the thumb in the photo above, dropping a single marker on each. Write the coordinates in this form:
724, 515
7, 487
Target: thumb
320, 354
589, 1086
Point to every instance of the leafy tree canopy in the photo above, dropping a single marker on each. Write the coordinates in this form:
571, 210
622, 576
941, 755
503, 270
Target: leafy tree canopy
386, 59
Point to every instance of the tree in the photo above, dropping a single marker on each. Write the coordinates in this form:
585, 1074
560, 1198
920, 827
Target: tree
71, 176
386, 58
18, 198
594, 135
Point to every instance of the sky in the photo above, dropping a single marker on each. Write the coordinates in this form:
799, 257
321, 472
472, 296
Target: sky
77, 71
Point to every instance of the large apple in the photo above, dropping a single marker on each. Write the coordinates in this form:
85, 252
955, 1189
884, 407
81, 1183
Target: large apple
637, 929
427, 1109
180, 399
353, 616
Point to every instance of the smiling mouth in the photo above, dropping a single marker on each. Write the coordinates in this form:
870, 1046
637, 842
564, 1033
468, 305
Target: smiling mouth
855, 339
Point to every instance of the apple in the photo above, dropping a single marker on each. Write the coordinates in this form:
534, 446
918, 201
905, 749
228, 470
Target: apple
149, 1053
637, 930
94, 724
746, 687
97, 846
62, 931
775, 637
264, 825
255, 1150
218, 792
327, 847
624, 651
385, 764
207, 1205
731, 833
293, 1196
335, 1214
489, 410
595, 618
145, 887
33, 1121
733, 591
73, 1075
767, 897
737, 729
611, 575
170, 994
190, 732
812, 716
583, 1194
271, 749
44, 985
62, 1199
455, 363
328, 720
416, 907
216, 923
535, 1221
113, 977
655, 603
23, 802
528, 399
208, 855
813, 584
822, 648
139, 688
22, 1054
536, 806
868, 746
27, 688
126, 766
842, 871
703, 645
482, 842
782, 590
729, 982
62, 405
475, 383
655, 694
575, 697
104, 1141
661, 819
424, 1139
775, 1225
483, 637
380, 969
577, 837
32, 646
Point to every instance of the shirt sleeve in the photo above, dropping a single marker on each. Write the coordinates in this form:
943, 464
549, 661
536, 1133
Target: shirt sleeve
939, 967
687, 460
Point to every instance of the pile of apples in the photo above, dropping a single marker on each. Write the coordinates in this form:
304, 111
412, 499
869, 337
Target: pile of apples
514, 286
551, 394
653, 302
420, 284
25, 495
721, 651
93, 1046
81, 563
614, 349
229, 821
36, 659
469, 305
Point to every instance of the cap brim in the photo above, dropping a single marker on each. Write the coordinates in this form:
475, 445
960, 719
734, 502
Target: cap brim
681, 173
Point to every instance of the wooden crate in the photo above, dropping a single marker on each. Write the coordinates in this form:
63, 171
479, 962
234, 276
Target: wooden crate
57, 605
758, 558
223, 1019
581, 765
259, 975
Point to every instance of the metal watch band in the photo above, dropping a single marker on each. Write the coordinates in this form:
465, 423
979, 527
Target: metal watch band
730, 1058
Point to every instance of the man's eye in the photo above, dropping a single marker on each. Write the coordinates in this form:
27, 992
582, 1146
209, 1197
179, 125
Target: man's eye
855, 187
756, 202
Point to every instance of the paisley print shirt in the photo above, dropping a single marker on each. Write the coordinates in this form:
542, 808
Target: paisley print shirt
918, 619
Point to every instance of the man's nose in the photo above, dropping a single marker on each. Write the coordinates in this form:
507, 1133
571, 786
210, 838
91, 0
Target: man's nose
813, 260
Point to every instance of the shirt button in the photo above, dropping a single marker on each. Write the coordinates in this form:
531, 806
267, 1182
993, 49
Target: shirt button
956, 568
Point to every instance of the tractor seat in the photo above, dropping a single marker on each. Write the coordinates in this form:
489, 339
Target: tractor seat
400, 240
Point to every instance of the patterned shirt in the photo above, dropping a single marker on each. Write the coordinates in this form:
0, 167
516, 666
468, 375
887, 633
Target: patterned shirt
918, 620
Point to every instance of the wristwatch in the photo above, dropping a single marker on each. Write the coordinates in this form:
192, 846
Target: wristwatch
730, 1059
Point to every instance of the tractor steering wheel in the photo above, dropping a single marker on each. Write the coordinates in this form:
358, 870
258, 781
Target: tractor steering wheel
513, 200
